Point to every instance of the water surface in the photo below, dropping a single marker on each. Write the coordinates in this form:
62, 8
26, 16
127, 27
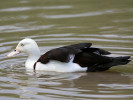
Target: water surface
106, 24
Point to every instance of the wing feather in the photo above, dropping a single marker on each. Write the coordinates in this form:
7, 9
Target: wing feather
63, 53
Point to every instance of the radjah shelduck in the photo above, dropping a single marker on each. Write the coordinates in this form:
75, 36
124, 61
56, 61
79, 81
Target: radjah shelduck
71, 58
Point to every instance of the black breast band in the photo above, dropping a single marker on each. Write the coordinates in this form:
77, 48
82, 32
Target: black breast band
34, 66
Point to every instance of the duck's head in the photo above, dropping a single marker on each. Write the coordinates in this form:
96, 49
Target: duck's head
27, 46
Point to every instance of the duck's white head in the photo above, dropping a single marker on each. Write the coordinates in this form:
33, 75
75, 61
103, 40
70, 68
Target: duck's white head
27, 46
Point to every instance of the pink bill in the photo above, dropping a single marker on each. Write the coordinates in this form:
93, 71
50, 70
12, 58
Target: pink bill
13, 53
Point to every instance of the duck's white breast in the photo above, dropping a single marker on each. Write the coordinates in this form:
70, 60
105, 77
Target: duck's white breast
59, 66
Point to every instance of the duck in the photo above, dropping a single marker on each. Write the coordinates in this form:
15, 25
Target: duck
70, 58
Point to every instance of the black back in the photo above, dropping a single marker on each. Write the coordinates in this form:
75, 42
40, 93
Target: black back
63, 53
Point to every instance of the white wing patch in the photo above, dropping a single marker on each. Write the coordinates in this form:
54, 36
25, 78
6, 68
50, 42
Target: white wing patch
71, 57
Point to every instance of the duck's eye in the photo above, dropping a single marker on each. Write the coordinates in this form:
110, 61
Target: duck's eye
22, 44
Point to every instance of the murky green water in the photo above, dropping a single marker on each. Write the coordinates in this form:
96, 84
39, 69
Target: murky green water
108, 24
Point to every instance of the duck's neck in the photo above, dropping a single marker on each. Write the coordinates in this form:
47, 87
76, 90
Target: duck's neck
32, 58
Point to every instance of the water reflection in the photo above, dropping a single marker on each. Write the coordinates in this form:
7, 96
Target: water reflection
52, 84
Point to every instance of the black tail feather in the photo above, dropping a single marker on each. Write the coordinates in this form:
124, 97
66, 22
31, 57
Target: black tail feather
121, 60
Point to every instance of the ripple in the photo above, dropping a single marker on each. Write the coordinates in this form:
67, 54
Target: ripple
79, 15
122, 20
88, 39
17, 9
20, 28
86, 14
108, 36
117, 86
11, 18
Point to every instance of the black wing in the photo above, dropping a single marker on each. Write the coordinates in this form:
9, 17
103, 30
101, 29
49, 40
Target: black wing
92, 56
84, 55
63, 53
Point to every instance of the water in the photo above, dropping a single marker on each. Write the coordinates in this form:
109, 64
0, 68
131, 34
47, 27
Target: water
53, 23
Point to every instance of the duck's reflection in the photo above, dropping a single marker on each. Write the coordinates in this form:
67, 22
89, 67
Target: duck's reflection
79, 84
81, 79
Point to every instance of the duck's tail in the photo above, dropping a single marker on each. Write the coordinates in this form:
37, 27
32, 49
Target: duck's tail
122, 60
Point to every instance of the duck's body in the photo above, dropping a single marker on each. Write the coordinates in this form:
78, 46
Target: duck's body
76, 57
59, 67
